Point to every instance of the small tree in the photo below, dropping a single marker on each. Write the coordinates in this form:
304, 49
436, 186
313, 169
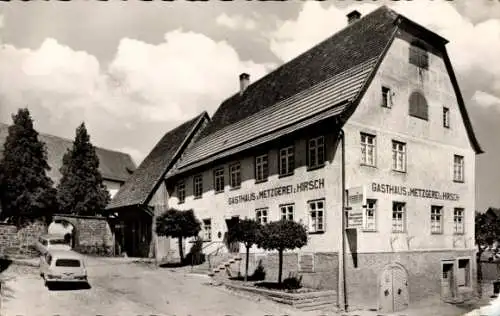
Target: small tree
246, 231
24, 167
282, 235
486, 233
81, 189
178, 224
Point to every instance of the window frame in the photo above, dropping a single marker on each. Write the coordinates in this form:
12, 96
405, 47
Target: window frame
218, 181
418, 56
374, 216
446, 117
181, 197
395, 152
416, 101
439, 208
259, 215
284, 211
315, 148
364, 145
204, 221
316, 210
200, 183
288, 159
403, 217
461, 168
264, 165
458, 224
237, 172
468, 273
386, 97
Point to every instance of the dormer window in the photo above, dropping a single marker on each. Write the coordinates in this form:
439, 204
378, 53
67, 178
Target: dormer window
418, 105
419, 56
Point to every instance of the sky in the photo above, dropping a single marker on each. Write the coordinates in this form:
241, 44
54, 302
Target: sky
133, 70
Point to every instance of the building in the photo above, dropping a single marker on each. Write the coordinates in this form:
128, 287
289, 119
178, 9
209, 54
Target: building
375, 112
115, 167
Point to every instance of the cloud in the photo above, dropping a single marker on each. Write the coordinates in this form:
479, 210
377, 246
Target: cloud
473, 48
486, 100
143, 85
236, 22
137, 155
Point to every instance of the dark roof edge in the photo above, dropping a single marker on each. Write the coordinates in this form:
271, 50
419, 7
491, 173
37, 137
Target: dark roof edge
461, 104
179, 151
433, 36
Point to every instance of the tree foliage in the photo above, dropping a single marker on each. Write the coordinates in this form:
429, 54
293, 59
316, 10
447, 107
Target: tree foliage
282, 235
81, 190
27, 192
178, 224
248, 232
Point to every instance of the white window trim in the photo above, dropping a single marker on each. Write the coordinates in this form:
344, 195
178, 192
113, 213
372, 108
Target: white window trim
183, 185
446, 117
387, 97
441, 221
310, 218
456, 267
395, 155
285, 155
218, 175
461, 164
365, 145
234, 169
259, 218
365, 216
403, 218
315, 147
207, 232
286, 208
195, 186
462, 223
261, 162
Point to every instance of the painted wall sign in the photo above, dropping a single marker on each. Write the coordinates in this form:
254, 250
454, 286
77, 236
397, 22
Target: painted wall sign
414, 192
356, 199
278, 191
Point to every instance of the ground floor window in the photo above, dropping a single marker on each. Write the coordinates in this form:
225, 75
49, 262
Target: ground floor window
370, 215
207, 229
436, 219
261, 215
398, 217
287, 212
316, 216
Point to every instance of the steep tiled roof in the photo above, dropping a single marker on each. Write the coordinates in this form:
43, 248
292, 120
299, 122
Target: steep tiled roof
152, 170
326, 76
113, 165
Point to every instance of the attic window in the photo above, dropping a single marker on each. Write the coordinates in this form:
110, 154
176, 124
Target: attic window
419, 56
418, 106
386, 97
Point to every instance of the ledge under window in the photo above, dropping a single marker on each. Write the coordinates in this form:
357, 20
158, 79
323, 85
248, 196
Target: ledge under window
285, 175
458, 181
316, 233
367, 230
399, 171
311, 168
260, 181
235, 188
367, 165
219, 192
197, 197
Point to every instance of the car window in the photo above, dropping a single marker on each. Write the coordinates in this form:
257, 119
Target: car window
74, 263
58, 242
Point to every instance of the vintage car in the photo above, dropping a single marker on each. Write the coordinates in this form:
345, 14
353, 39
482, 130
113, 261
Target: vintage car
49, 242
63, 266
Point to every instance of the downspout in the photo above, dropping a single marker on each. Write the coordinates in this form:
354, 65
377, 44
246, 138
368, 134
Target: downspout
342, 287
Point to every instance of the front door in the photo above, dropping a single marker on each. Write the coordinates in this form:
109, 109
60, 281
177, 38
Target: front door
447, 280
393, 289
232, 246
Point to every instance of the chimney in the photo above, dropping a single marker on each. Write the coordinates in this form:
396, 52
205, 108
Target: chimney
244, 82
353, 16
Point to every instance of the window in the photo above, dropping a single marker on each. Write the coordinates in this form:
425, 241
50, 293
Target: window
181, 192
219, 180
386, 97
261, 168
207, 229
458, 168
370, 215
287, 212
446, 117
398, 217
72, 263
436, 219
458, 221
316, 216
463, 274
235, 175
419, 57
198, 186
398, 156
418, 105
261, 215
287, 161
367, 149
316, 152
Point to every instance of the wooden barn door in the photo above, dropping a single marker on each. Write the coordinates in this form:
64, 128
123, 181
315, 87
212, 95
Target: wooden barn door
393, 289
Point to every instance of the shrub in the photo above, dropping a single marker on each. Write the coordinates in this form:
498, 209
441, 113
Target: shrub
259, 274
292, 283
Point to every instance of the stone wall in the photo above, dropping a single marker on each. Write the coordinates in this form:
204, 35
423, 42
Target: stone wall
92, 234
20, 242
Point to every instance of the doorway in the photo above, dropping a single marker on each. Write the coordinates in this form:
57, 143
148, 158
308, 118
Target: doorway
393, 289
447, 280
232, 246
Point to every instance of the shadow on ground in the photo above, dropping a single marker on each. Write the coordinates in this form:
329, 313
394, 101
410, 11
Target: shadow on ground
68, 286
4, 264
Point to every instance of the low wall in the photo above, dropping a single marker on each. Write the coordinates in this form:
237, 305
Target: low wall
92, 234
20, 242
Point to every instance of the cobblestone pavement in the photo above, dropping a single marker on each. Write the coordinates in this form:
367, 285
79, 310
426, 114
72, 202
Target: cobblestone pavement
127, 289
